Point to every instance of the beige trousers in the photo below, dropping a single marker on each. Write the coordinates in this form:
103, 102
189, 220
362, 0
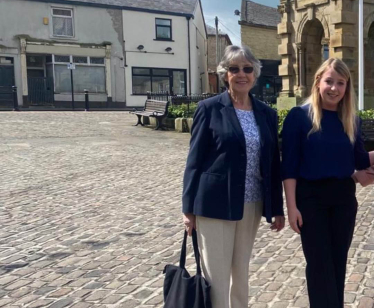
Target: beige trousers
225, 248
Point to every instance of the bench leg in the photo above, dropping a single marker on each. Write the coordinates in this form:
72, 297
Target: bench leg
139, 120
159, 124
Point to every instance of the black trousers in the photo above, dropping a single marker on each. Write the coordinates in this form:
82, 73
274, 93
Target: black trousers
328, 208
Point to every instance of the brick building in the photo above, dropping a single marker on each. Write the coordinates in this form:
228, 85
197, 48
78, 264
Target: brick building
258, 25
224, 41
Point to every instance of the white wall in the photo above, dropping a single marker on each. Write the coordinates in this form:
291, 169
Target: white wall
199, 48
92, 26
139, 29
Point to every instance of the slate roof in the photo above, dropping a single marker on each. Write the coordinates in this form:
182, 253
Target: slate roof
181, 7
253, 13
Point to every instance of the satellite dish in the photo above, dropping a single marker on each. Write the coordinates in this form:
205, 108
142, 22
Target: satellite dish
237, 12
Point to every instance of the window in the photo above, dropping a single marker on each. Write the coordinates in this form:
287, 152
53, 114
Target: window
62, 21
158, 80
89, 73
326, 52
163, 29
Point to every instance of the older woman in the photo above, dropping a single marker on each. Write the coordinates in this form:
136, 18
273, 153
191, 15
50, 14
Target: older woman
232, 178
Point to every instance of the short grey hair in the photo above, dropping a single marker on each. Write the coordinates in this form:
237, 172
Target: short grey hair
233, 53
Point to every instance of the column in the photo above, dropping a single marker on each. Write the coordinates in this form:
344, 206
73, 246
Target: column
24, 86
301, 69
108, 77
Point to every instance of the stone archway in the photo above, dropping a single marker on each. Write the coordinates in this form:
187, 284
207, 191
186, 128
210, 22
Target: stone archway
369, 62
312, 51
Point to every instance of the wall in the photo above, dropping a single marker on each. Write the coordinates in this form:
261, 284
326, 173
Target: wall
92, 26
154, 55
262, 41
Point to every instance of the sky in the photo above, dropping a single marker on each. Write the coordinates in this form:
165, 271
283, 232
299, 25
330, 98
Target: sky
224, 10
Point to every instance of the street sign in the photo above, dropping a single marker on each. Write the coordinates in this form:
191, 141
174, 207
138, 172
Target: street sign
71, 66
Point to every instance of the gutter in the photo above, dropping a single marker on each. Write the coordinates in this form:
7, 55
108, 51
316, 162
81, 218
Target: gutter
115, 7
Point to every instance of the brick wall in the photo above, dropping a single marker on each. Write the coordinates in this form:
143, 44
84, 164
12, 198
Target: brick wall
262, 41
212, 50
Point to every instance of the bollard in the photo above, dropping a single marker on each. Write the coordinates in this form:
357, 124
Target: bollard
15, 99
87, 103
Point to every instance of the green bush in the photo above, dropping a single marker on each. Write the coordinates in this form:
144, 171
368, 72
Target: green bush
366, 114
182, 111
281, 116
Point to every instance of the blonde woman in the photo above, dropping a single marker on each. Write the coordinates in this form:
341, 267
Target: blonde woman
322, 147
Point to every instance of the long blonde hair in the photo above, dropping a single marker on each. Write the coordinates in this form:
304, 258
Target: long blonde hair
346, 107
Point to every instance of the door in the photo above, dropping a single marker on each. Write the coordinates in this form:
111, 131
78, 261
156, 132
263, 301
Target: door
6, 82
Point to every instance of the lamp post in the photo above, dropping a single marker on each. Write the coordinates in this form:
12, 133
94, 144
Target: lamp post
361, 72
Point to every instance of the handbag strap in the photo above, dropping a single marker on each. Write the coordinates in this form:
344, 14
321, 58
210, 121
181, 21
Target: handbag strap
182, 261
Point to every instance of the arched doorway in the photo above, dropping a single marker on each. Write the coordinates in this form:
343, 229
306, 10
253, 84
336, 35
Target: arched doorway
313, 51
369, 62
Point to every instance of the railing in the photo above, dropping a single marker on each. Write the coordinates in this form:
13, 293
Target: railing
177, 100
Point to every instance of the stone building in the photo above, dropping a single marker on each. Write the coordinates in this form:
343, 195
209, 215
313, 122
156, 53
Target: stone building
314, 30
223, 41
258, 25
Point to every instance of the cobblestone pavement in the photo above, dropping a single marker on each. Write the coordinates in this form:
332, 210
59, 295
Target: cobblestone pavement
90, 214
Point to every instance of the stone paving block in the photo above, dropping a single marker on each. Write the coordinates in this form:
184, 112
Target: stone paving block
97, 295
62, 303
112, 299
366, 302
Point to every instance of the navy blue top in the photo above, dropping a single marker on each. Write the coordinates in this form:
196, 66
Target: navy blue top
325, 154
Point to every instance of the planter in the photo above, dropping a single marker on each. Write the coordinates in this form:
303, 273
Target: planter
168, 122
183, 125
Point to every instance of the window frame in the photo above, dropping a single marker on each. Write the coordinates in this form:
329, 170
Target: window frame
61, 16
170, 76
169, 27
71, 57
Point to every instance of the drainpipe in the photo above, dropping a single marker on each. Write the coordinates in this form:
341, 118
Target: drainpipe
361, 68
189, 54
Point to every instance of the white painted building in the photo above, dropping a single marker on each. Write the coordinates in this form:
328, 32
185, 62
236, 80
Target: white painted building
165, 51
103, 39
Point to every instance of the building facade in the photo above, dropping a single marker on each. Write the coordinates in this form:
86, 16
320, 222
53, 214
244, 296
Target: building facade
58, 49
38, 48
258, 26
168, 52
312, 31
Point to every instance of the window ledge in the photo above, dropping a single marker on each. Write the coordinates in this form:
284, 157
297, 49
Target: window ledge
164, 40
63, 38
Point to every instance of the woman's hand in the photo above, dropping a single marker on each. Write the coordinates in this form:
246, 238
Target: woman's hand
364, 177
294, 218
189, 221
278, 223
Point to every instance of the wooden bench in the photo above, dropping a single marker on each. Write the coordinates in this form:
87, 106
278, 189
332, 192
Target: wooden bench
155, 109
367, 129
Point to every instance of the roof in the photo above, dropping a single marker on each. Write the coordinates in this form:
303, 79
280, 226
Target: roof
180, 7
253, 13
212, 31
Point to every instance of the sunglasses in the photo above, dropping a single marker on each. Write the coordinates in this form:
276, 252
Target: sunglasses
236, 69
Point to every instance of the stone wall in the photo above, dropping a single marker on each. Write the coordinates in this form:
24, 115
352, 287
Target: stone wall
262, 41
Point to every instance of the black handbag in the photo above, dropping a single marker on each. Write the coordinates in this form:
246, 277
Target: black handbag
180, 289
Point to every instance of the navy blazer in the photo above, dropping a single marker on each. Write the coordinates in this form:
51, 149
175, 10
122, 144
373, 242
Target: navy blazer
214, 179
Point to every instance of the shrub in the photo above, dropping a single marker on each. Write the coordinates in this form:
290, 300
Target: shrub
366, 114
281, 116
182, 111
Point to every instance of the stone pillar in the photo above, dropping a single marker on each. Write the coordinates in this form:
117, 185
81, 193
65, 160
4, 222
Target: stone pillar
344, 40
108, 76
286, 99
24, 86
